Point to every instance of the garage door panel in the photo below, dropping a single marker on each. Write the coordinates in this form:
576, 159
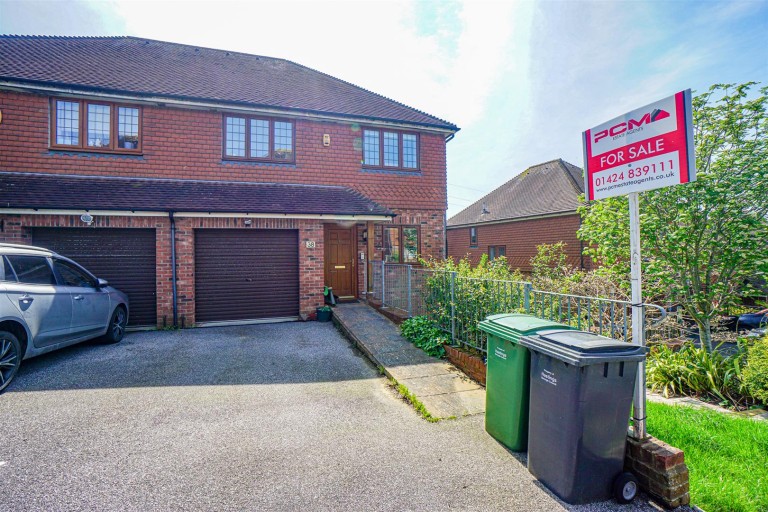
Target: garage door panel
246, 274
124, 257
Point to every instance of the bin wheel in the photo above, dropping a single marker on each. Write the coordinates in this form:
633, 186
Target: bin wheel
625, 487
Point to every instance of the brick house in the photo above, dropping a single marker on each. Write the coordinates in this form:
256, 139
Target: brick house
538, 206
212, 186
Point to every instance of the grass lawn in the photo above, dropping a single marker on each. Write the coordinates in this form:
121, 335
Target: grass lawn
727, 456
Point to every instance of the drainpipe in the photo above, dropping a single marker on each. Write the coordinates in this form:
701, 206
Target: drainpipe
445, 235
173, 270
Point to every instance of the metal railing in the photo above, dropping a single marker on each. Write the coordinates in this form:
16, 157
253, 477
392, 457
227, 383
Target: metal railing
457, 304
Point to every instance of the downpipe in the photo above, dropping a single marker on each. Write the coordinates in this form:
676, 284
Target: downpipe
173, 271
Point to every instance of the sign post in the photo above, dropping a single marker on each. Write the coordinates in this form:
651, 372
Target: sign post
645, 149
638, 313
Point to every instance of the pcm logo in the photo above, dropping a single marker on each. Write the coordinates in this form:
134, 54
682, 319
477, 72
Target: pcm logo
632, 125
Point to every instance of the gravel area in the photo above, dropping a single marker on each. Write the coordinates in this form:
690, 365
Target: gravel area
263, 417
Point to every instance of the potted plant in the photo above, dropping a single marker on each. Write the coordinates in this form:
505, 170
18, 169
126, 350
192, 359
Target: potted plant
131, 142
324, 314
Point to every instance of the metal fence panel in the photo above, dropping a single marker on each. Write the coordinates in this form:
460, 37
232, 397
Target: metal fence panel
457, 304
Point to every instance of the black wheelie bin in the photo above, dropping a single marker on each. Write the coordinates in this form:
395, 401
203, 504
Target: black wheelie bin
581, 392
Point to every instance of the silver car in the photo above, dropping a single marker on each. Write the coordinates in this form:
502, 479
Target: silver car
48, 302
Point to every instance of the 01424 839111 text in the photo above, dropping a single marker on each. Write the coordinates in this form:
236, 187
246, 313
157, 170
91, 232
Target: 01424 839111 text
663, 166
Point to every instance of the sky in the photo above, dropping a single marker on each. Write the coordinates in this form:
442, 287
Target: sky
522, 79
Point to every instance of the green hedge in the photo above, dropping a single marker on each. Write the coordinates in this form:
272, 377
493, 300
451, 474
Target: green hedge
755, 374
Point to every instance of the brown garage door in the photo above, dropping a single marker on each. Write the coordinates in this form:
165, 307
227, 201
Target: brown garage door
246, 274
124, 257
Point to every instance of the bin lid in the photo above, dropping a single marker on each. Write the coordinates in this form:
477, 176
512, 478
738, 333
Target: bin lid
582, 348
588, 342
517, 323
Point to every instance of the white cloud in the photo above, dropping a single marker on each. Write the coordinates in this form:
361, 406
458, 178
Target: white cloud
376, 45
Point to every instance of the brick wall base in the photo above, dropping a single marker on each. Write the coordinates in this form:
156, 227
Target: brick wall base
16, 228
470, 364
661, 470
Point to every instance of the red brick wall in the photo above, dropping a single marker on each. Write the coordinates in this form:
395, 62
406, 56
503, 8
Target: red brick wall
186, 144
179, 143
520, 239
310, 260
17, 229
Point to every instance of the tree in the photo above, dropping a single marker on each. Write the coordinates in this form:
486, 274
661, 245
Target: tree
700, 241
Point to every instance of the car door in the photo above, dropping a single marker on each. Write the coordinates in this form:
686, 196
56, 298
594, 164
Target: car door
45, 306
90, 304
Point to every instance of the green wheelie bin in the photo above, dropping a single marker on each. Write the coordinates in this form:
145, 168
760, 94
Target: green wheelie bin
507, 379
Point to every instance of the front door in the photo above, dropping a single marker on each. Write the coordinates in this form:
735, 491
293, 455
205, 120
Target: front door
340, 260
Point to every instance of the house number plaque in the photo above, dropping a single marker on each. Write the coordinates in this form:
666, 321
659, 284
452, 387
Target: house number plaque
310, 244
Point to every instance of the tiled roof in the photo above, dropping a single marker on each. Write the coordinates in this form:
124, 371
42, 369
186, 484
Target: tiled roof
551, 187
52, 191
147, 67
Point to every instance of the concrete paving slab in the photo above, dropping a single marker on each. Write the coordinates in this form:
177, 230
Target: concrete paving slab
425, 377
440, 385
466, 403
410, 371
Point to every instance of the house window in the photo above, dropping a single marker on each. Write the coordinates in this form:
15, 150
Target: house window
400, 244
496, 251
258, 139
473, 237
390, 149
95, 126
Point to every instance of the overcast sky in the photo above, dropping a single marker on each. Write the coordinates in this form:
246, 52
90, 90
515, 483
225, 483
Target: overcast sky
521, 79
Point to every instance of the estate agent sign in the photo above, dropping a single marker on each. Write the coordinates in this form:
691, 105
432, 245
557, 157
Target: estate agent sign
650, 147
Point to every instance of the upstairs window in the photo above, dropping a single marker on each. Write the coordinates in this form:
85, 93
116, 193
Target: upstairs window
473, 237
95, 126
390, 149
258, 139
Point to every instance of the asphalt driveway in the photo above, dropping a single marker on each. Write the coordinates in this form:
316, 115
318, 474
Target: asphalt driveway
265, 417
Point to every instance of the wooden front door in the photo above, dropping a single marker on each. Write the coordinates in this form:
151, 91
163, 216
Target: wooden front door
340, 260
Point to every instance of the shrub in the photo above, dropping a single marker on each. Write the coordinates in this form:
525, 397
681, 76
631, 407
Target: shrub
424, 335
693, 371
755, 374
489, 287
551, 272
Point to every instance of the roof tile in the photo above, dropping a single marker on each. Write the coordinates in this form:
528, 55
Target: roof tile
147, 67
551, 187
50, 191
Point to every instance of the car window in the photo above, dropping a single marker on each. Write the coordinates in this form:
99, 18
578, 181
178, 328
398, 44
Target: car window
71, 275
6, 272
32, 269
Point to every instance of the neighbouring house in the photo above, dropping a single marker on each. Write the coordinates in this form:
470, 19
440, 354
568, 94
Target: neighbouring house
536, 207
212, 186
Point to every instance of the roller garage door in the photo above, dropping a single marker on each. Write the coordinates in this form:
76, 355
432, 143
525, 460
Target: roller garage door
124, 257
246, 274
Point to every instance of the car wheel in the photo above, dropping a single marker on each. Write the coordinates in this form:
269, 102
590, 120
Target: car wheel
10, 358
116, 329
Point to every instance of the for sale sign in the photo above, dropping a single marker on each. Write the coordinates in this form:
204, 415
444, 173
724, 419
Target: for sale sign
648, 148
